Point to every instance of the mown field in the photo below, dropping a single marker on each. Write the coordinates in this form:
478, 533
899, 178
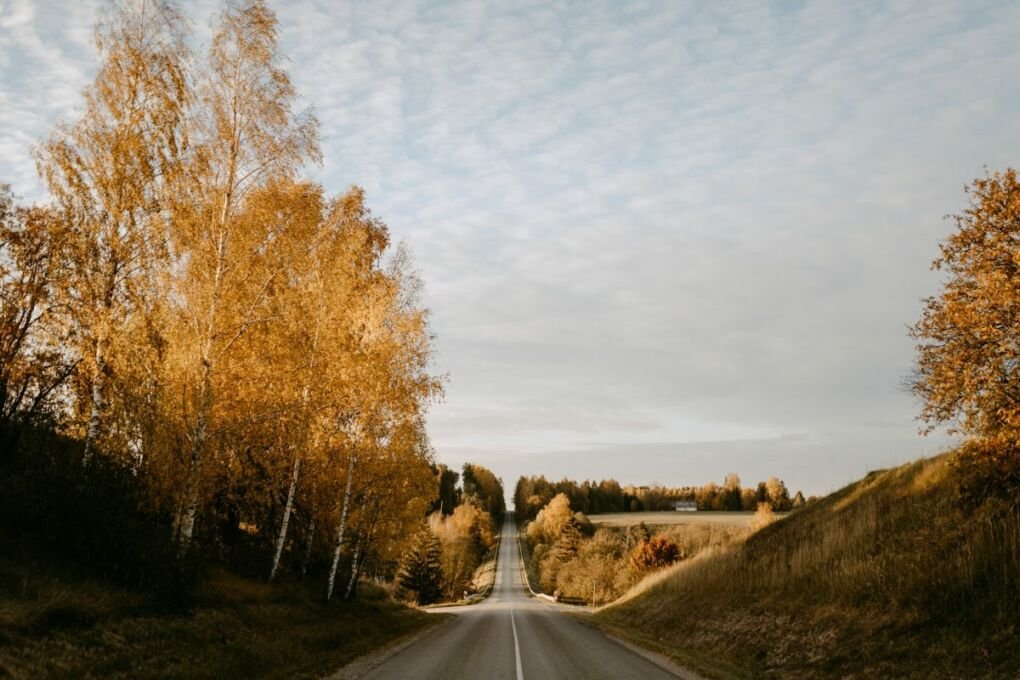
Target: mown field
662, 519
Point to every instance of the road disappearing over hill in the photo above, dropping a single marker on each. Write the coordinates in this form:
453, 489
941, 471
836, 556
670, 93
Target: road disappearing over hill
513, 636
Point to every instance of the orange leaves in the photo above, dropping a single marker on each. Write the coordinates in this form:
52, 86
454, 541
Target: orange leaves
226, 318
968, 362
111, 174
654, 554
32, 365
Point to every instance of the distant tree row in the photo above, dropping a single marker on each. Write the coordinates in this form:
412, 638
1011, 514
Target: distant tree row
483, 488
474, 483
193, 311
608, 496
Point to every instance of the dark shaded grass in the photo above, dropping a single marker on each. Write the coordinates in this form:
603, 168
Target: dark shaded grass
55, 627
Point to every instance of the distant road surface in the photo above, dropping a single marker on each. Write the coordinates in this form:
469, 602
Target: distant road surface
514, 637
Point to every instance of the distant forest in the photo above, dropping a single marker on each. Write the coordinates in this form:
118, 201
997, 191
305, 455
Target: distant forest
531, 494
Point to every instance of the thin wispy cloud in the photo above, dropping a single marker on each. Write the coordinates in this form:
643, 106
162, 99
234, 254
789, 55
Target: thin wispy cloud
684, 235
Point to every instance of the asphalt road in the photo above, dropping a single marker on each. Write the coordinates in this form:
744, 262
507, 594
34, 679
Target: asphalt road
515, 637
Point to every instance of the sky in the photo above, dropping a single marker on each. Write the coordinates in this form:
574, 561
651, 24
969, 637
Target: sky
661, 241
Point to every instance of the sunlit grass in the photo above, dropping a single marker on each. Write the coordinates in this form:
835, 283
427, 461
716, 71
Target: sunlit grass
887, 576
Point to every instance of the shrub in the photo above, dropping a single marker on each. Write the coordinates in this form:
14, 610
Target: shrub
763, 517
654, 554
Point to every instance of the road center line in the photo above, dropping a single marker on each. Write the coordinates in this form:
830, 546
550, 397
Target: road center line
517, 646
507, 575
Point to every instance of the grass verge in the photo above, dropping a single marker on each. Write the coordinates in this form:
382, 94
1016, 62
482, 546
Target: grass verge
691, 659
55, 627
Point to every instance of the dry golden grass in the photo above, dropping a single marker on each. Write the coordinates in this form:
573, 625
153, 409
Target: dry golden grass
52, 626
889, 577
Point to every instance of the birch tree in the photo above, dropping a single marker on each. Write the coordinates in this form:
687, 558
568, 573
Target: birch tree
110, 174
321, 313
247, 139
394, 402
237, 339
345, 507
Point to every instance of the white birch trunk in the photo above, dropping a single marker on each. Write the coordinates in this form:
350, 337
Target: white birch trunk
187, 525
340, 531
204, 401
282, 538
360, 551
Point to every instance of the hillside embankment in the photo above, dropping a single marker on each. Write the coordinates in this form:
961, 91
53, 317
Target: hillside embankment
892, 576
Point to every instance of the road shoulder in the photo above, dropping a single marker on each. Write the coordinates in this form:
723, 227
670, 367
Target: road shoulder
668, 658
363, 664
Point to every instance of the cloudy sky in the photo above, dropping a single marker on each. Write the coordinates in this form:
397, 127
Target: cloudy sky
662, 241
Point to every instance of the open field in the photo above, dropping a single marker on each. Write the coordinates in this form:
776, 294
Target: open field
671, 518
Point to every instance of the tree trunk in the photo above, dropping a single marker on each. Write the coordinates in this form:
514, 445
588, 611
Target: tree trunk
361, 550
308, 548
205, 385
96, 412
187, 525
305, 394
354, 570
282, 538
340, 531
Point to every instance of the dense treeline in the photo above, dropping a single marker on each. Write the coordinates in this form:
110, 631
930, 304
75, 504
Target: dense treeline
487, 489
531, 494
449, 494
475, 484
195, 336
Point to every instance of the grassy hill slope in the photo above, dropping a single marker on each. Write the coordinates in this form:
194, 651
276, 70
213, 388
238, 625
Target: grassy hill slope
891, 576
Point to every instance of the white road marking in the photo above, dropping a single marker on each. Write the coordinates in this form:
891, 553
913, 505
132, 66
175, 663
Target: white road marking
517, 646
513, 623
